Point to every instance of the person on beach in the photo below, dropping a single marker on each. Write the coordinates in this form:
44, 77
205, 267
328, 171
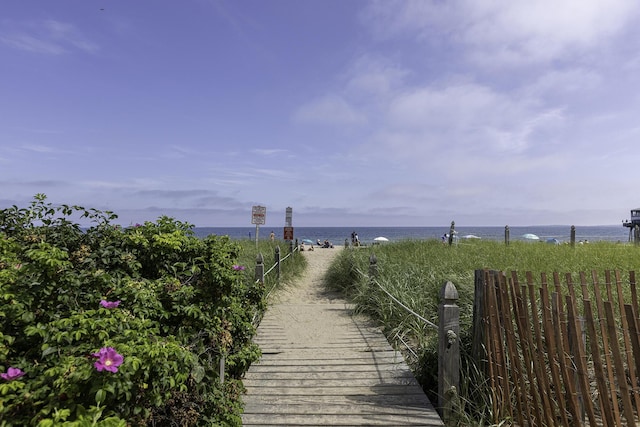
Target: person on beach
272, 236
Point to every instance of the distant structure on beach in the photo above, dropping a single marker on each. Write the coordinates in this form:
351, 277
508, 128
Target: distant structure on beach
634, 225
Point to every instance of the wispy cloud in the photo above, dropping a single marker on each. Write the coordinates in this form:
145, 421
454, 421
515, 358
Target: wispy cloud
269, 151
49, 37
330, 109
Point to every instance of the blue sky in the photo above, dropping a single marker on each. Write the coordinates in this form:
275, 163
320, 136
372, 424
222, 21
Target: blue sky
353, 113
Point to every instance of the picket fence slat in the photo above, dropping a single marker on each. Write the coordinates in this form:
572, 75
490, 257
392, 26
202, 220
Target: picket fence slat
605, 346
601, 380
541, 373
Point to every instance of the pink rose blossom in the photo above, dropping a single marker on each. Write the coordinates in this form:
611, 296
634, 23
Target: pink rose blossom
12, 374
108, 359
109, 304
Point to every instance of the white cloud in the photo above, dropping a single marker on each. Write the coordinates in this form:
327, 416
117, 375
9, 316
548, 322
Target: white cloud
47, 37
330, 109
505, 32
31, 44
269, 151
374, 76
469, 116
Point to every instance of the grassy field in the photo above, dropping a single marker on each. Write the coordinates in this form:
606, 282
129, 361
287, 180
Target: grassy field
414, 272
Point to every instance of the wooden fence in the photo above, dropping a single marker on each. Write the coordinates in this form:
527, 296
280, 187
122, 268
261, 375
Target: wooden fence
559, 353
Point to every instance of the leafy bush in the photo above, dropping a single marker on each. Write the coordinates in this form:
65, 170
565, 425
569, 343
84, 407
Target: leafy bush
115, 326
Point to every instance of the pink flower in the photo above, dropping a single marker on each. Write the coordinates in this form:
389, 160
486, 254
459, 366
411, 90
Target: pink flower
12, 374
108, 359
109, 304
237, 267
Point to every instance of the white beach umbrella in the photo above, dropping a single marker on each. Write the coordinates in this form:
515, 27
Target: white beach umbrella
380, 239
530, 236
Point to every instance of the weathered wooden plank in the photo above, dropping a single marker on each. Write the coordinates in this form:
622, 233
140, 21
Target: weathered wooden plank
337, 368
338, 390
322, 382
351, 408
346, 345
340, 420
345, 376
351, 359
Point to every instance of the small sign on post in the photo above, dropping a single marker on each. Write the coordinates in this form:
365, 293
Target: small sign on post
288, 233
258, 217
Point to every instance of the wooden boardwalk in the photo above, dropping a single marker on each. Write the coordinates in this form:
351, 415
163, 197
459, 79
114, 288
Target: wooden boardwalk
323, 366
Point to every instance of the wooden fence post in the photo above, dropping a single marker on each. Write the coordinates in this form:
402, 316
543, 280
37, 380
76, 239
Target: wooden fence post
506, 235
373, 269
573, 235
259, 268
449, 355
452, 230
373, 266
277, 262
290, 246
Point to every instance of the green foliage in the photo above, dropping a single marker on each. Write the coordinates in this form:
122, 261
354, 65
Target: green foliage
182, 308
414, 272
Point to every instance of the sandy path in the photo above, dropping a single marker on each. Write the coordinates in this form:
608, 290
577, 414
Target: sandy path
307, 312
309, 288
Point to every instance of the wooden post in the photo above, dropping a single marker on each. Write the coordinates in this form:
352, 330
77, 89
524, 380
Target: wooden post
573, 235
449, 355
636, 234
506, 235
277, 262
373, 267
259, 268
290, 246
452, 230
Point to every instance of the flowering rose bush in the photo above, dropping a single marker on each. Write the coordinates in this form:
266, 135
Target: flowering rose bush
116, 326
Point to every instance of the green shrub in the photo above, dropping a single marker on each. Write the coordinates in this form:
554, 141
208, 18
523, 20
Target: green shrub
169, 303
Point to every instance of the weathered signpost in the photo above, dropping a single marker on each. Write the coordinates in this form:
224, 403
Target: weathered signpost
258, 217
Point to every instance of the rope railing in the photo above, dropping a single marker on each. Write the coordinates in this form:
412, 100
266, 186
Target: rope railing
397, 301
260, 275
276, 264
401, 304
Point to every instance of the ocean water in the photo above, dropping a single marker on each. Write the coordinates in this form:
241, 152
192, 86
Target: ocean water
337, 235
